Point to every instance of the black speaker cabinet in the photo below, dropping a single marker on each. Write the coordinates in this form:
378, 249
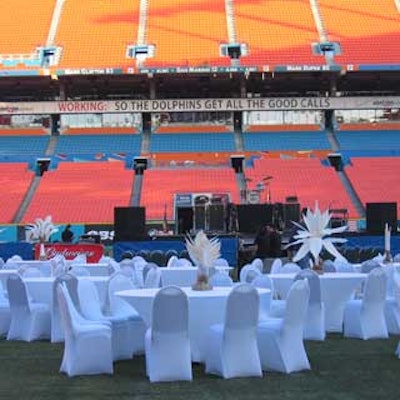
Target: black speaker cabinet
216, 218
378, 214
291, 213
252, 216
237, 163
129, 223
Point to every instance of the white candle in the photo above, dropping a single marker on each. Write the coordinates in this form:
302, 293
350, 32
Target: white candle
387, 238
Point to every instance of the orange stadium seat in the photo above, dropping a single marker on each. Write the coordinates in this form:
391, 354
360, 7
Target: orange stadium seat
368, 31
15, 179
160, 186
23, 131
376, 179
96, 33
26, 27
84, 192
187, 33
305, 178
277, 32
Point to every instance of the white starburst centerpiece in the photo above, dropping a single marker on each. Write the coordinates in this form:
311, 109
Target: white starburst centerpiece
41, 231
203, 253
314, 236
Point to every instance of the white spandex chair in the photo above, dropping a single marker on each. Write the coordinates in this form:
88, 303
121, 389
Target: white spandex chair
220, 278
91, 309
232, 346
87, 348
221, 262
5, 313
167, 341
290, 268
276, 266
280, 340
314, 326
365, 318
171, 261
392, 307
153, 278
29, 321
258, 263
248, 273
120, 308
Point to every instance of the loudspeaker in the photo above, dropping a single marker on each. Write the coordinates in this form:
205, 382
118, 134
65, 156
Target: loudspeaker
252, 216
199, 217
216, 218
336, 161
237, 163
129, 223
329, 119
234, 51
139, 165
378, 214
291, 213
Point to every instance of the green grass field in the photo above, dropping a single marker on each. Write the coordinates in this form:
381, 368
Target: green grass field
341, 369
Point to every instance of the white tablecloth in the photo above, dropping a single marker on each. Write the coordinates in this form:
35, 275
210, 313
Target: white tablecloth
205, 308
4, 274
41, 288
44, 266
182, 276
336, 289
95, 269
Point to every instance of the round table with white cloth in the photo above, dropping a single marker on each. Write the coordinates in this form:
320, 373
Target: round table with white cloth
205, 309
336, 289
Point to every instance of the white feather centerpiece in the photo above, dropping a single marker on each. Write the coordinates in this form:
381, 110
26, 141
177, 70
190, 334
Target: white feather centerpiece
203, 252
41, 231
313, 237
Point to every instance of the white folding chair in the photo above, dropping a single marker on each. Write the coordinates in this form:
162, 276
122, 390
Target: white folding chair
280, 340
87, 348
5, 313
171, 261
365, 318
276, 266
153, 277
29, 321
232, 346
167, 342
392, 307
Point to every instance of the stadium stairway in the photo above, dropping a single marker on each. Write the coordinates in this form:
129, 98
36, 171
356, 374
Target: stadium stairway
355, 199
27, 200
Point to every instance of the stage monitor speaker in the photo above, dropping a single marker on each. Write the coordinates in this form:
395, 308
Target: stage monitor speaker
252, 216
184, 224
237, 121
291, 213
237, 163
216, 218
378, 214
129, 223
139, 165
199, 217
146, 122
335, 160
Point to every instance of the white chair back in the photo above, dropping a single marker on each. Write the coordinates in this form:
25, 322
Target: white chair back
328, 266
296, 308
170, 311
30, 272
242, 308
276, 266
396, 288
343, 266
171, 261
248, 273
289, 268
221, 262
153, 278
1, 263
220, 278
89, 300
369, 265
375, 287
314, 284
182, 262
263, 281
79, 271
71, 282
17, 293
258, 263
118, 281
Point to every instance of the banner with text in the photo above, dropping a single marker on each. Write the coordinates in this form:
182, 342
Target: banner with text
193, 105
93, 252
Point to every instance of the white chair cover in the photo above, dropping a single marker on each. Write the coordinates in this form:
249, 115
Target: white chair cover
280, 340
365, 318
248, 273
369, 265
276, 266
30, 272
79, 271
220, 278
5, 313
221, 262
314, 326
343, 266
120, 308
79, 259
232, 347
122, 329
328, 266
171, 261
392, 307
29, 321
1, 262
87, 348
258, 263
153, 278
290, 268
182, 262
113, 266
167, 342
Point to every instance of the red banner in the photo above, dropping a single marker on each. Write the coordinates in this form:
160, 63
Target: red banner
93, 252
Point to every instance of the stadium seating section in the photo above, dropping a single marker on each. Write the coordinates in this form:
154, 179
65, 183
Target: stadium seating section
25, 145
369, 140
190, 33
160, 186
82, 192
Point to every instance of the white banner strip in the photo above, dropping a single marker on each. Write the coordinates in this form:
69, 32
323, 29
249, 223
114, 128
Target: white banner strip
191, 105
